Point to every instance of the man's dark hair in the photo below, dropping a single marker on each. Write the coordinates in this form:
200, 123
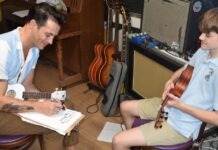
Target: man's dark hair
42, 12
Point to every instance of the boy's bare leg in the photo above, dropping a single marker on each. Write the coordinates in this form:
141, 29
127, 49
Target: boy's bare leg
129, 111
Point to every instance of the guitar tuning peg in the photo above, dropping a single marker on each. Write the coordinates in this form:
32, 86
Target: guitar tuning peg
161, 116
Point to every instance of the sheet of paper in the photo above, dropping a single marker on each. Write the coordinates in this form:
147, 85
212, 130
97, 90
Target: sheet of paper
109, 130
21, 13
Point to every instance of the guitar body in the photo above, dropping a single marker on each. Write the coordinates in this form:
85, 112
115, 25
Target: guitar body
105, 68
178, 89
15, 91
96, 63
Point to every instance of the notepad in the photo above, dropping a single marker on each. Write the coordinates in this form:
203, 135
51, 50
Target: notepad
63, 122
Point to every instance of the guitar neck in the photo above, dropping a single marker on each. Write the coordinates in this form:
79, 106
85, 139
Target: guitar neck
123, 50
126, 26
35, 95
161, 116
116, 38
109, 27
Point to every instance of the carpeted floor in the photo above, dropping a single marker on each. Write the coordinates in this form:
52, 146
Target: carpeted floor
94, 121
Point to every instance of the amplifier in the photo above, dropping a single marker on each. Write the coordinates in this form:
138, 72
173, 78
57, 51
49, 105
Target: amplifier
166, 20
175, 21
148, 70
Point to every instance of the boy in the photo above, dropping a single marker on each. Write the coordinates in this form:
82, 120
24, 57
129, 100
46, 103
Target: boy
185, 114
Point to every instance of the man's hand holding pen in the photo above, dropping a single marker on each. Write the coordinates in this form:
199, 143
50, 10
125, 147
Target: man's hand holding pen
49, 107
63, 107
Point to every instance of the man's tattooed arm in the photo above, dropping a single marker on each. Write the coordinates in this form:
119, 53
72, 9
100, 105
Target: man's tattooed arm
10, 107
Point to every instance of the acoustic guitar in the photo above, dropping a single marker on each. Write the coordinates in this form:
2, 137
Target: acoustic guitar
95, 64
101, 55
105, 68
178, 89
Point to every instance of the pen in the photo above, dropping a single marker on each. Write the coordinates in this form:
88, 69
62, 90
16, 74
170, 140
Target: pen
63, 107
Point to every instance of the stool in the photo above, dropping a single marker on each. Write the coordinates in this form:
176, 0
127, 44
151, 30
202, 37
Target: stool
18, 142
183, 146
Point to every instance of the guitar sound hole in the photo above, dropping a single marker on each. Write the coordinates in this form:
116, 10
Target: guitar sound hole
11, 93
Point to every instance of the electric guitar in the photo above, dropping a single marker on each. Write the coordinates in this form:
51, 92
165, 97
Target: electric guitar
178, 89
18, 91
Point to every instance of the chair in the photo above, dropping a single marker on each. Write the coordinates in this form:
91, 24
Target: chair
183, 146
210, 138
18, 142
69, 30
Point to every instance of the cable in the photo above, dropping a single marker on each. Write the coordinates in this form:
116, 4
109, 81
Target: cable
95, 104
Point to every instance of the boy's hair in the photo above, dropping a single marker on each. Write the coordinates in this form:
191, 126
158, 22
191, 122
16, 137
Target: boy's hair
42, 12
209, 21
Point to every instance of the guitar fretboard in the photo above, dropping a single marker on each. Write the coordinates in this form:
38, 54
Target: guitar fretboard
126, 26
35, 95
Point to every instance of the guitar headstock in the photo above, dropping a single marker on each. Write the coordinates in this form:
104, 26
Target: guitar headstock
126, 19
162, 117
58, 95
123, 12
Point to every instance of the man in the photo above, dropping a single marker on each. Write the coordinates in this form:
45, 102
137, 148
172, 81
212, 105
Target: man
18, 59
185, 114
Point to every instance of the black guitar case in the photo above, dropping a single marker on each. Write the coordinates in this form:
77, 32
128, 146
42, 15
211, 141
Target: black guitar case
111, 100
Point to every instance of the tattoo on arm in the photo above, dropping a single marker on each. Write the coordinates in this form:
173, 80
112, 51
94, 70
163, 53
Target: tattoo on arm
10, 107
